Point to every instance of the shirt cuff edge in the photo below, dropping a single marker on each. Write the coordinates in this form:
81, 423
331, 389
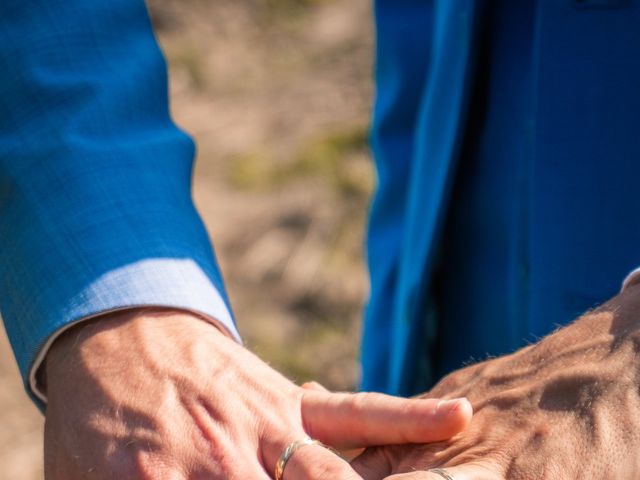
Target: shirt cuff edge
39, 360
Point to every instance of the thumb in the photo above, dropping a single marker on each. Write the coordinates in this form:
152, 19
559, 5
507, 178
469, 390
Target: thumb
361, 419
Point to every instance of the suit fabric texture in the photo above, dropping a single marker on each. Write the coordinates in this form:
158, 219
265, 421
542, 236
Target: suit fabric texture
505, 138
95, 206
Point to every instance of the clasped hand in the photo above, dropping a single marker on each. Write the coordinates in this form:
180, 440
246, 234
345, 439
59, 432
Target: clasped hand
151, 395
565, 408
157, 395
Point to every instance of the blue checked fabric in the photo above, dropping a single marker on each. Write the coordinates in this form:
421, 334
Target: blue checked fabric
95, 207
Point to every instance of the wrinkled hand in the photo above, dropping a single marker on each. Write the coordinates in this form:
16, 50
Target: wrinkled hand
566, 408
165, 395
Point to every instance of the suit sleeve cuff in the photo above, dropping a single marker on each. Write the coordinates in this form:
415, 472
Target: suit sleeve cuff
172, 283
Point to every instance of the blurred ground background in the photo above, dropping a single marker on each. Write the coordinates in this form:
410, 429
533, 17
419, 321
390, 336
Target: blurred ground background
277, 95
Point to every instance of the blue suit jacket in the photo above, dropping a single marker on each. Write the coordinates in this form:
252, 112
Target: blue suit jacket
95, 205
96, 215
506, 137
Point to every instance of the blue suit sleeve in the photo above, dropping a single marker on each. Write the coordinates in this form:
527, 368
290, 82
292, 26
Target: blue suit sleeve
95, 206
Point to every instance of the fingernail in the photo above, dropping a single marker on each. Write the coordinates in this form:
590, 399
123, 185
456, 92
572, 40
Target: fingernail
447, 406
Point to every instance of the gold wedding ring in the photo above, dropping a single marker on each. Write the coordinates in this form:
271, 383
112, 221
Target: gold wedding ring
443, 473
289, 451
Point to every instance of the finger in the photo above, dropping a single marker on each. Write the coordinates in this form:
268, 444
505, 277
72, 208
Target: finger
314, 386
373, 464
361, 419
315, 462
475, 471
349, 454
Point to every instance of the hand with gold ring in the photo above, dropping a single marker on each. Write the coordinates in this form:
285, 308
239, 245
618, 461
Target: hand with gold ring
164, 394
291, 449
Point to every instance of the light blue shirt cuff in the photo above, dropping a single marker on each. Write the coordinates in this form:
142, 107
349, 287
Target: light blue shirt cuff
172, 283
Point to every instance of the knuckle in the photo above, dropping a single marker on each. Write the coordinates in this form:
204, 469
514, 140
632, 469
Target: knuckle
459, 382
147, 467
449, 383
313, 385
358, 402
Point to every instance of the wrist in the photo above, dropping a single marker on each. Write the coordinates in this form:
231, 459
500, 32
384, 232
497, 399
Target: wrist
599, 351
109, 338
